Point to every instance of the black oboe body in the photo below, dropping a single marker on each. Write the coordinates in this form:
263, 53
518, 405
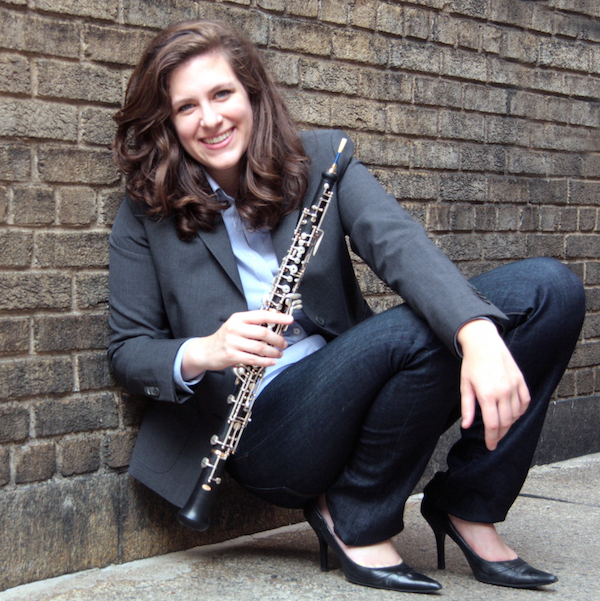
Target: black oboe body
282, 298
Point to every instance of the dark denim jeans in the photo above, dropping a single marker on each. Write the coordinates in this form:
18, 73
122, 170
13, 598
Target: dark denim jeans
360, 418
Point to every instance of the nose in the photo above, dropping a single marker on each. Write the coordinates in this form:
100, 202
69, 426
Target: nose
210, 118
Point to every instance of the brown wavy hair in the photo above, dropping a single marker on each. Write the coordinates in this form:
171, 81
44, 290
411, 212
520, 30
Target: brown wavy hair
162, 176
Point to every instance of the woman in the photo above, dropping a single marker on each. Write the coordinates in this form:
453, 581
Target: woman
352, 404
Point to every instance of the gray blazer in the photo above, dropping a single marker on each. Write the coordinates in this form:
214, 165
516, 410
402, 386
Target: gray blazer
164, 291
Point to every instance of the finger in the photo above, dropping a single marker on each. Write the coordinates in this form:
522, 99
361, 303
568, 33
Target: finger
263, 334
521, 398
524, 397
517, 407
247, 351
254, 340
491, 423
255, 360
260, 325
467, 405
262, 349
506, 414
261, 316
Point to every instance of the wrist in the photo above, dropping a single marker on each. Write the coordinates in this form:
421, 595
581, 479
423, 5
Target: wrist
192, 365
475, 332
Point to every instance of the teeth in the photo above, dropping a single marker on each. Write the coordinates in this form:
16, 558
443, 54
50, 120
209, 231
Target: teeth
217, 139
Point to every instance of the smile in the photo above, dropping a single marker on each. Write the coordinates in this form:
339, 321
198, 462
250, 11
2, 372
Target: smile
219, 138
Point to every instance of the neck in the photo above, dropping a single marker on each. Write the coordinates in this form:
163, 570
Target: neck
228, 181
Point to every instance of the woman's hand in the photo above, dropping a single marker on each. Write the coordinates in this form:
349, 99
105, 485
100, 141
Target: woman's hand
243, 338
490, 376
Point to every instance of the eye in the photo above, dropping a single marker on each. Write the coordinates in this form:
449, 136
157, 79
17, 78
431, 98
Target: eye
184, 108
223, 94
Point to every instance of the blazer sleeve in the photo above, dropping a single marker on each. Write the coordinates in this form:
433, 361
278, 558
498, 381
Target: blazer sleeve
400, 252
142, 349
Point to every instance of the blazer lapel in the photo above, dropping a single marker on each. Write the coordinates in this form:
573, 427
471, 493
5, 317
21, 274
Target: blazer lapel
217, 242
282, 234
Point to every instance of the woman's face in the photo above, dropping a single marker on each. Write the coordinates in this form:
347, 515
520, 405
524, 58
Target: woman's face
212, 115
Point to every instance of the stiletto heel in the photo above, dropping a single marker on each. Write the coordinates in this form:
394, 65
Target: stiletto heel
440, 541
323, 554
515, 573
398, 578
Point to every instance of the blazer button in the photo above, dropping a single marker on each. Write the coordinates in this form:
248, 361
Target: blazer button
151, 391
320, 321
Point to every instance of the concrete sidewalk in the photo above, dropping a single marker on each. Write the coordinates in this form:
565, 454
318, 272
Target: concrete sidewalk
554, 525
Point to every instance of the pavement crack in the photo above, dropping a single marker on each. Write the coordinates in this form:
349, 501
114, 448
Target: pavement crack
556, 500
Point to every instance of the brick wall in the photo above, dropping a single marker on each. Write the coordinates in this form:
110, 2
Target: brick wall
482, 116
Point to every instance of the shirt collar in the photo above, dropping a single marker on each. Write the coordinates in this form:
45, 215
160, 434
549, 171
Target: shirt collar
217, 189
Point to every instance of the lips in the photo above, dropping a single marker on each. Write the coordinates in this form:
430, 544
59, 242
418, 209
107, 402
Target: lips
218, 139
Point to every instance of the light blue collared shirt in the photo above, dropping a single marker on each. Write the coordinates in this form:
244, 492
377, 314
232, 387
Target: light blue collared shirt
257, 265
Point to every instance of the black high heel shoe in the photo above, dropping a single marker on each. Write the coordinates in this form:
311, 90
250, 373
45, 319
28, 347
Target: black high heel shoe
515, 573
397, 578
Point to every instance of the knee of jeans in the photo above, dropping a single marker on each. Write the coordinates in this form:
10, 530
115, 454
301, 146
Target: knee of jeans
402, 322
563, 286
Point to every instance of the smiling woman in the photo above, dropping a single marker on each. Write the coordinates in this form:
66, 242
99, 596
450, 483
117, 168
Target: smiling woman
352, 404
212, 116
163, 172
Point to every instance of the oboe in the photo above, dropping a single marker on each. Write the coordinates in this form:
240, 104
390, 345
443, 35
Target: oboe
282, 298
